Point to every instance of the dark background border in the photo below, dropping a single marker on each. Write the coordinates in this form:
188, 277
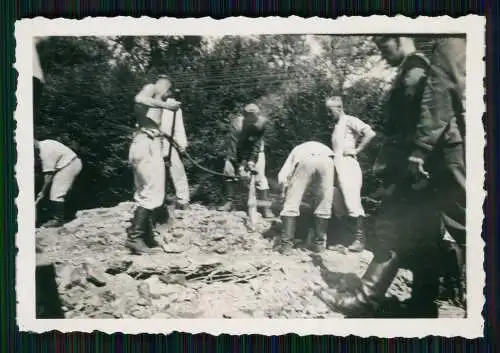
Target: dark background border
13, 341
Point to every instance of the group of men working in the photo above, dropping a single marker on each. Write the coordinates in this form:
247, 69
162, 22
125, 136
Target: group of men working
245, 153
422, 165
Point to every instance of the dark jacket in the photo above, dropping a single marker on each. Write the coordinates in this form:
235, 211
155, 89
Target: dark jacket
402, 111
245, 139
441, 120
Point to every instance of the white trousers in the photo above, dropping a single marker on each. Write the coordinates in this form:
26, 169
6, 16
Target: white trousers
303, 174
63, 180
145, 157
347, 197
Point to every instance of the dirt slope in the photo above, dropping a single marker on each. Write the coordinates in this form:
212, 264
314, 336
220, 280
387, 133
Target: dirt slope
211, 268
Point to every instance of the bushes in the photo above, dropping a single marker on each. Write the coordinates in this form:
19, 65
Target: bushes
88, 102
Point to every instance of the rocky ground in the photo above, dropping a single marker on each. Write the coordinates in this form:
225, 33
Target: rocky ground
210, 267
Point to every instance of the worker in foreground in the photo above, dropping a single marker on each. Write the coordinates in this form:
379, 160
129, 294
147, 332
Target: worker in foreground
146, 159
408, 230
245, 151
303, 164
60, 166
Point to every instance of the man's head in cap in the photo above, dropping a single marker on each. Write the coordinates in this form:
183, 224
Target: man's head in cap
335, 107
251, 111
394, 48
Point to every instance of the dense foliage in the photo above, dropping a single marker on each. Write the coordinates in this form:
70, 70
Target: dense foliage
91, 82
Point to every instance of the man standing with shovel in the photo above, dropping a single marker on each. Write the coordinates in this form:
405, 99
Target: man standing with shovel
146, 159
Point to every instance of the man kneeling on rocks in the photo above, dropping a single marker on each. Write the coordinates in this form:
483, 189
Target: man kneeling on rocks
304, 162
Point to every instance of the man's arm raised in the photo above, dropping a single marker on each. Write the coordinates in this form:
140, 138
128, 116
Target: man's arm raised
146, 97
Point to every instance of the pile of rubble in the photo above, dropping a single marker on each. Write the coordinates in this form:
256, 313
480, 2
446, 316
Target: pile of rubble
210, 267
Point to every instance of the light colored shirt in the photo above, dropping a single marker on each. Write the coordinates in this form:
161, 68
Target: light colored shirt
299, 153
346, 133
167, 120
55, 155
37, 68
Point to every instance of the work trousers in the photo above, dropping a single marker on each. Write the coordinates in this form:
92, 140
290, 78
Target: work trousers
145, 157
303, 174
179, 177
63, 180
347, 199
261, 182
412, 219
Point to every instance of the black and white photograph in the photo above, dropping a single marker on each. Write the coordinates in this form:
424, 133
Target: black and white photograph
243, 170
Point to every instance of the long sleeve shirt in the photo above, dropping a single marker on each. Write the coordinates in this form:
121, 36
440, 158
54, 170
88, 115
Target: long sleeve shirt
179, 134
443, 101
246, 139
299, 153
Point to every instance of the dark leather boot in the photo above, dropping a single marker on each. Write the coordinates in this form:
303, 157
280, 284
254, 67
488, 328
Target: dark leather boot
263, 195
365, 300
58, 215
356, 228
229, 195
319, 242
287, 235
137, 232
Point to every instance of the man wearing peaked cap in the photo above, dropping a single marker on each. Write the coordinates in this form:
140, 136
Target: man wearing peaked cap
408, 223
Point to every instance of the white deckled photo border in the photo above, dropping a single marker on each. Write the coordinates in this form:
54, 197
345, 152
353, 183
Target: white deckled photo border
472, 25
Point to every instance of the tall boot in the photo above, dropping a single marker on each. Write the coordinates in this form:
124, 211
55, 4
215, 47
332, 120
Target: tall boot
365, 300
229, 195
287, 235
137, 232
319, 242
263, 195
58, 215
357, 230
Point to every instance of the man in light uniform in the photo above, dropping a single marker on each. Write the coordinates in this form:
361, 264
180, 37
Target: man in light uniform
348, 131
304, 162
60, 166
245, 150
172, 124
408, 229
146, 159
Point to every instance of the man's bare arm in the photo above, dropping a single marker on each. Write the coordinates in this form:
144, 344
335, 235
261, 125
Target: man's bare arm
368, 135
146, 97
